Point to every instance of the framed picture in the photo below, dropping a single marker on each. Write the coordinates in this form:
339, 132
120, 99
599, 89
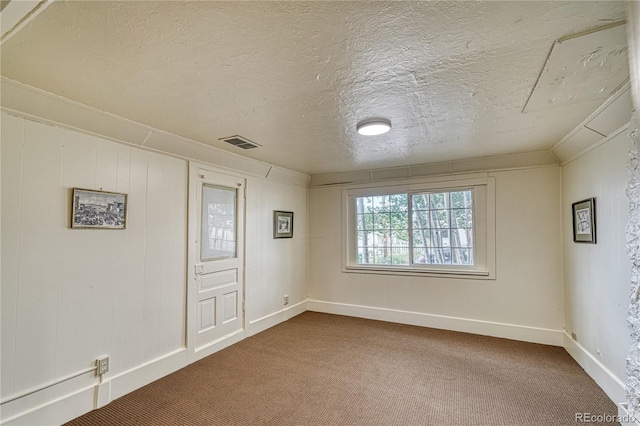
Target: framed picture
98, 209
584, 221
282, 224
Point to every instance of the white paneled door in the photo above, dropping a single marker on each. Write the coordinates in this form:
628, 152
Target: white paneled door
217, 296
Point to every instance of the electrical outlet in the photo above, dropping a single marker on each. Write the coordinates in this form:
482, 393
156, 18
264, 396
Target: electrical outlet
286, 299
102, 364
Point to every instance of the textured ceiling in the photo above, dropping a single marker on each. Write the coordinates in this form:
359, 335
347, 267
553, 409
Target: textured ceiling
296, 77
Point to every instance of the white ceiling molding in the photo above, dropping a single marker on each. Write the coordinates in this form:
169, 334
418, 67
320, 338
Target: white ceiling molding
608, 119
523, 160
34, 104
279, 174
29, 102
601, 141
16, 14
499, 162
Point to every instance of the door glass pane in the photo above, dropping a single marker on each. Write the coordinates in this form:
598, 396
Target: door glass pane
218, 239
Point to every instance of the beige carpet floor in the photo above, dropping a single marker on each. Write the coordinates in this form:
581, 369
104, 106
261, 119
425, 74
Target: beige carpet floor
320, 369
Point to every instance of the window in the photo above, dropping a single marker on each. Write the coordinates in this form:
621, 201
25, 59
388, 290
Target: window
218, 240
439, 227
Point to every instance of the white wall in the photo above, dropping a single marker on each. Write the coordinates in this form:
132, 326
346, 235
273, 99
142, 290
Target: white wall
69, 296
597, 276
275, 267
524, 302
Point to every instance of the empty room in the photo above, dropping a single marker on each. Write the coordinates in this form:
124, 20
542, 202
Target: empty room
320, 213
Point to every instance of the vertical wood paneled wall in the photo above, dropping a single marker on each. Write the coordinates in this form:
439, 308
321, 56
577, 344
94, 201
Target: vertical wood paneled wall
71, 295
597, 276
274, 267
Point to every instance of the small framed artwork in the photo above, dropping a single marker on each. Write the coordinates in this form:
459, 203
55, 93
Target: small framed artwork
98, 209
282, 224
584, 221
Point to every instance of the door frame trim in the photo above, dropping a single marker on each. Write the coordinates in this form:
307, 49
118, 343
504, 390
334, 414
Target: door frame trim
192, 242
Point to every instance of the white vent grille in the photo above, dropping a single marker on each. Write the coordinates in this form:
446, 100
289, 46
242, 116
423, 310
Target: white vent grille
240, 142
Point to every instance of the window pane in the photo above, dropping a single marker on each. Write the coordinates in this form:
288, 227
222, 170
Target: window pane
380, 239
440, 219
445, 237
432, 257
462, 218
438, 200
398, 202
440, 256
461, 199
364, 221
421, 237
381, 221
399, 220
420, 201
462, 238
439, 238
399, 238
400, 255
381, 203
365, 238
365, 256
218, 227
421, 219
364, 205
462, 257
382, 255
420, 255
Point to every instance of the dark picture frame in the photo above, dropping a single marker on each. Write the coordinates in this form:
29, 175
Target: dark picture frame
282, 224
92, 209
584, 221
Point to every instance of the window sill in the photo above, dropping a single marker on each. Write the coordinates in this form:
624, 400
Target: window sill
419, 272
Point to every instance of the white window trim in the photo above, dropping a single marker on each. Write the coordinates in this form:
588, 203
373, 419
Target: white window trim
485, 235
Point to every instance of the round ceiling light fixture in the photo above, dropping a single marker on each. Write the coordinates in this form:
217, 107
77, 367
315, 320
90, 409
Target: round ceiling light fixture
373, 126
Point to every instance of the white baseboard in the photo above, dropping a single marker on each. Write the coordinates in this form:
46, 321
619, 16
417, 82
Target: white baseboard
610, 384
258, 325
77, 403
103, 394
146, 373
485, 328
57, 411
217, 345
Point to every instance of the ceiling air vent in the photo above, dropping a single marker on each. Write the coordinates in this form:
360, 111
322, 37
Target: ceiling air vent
240, 142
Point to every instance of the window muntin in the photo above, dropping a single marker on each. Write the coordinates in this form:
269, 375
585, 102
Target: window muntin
450, 228
426, 228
